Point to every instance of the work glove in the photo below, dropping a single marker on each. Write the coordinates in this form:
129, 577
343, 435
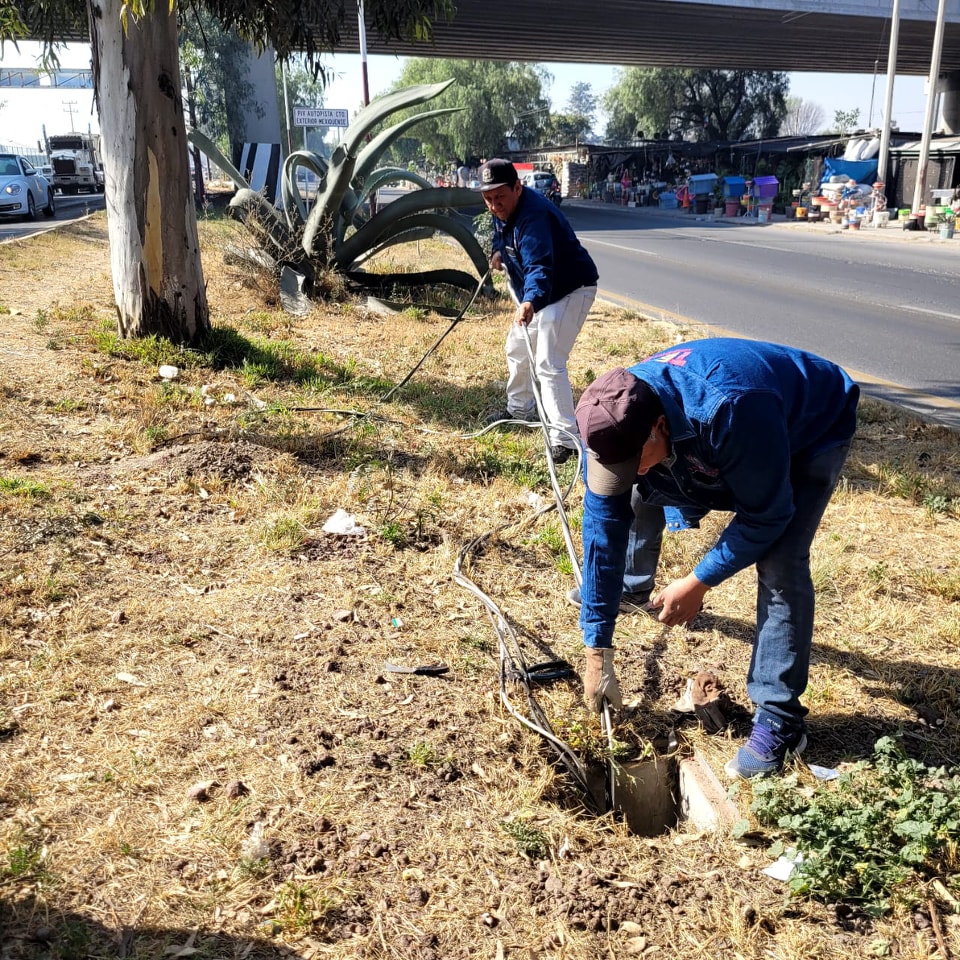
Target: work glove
600, 679
710, 701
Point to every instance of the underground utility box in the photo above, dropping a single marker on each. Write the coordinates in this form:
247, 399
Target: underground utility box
661, 792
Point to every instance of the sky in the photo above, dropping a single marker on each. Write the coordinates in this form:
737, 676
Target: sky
832, 91
22, 117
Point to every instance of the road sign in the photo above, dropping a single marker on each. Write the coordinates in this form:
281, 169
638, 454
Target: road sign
319, 117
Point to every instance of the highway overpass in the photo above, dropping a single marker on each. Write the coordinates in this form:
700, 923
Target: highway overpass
846, 36
842, 36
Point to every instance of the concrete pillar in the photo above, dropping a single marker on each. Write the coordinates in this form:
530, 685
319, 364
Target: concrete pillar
951, 103
259, 121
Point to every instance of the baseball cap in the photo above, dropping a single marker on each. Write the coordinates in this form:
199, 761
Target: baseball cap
497, 173
615, 415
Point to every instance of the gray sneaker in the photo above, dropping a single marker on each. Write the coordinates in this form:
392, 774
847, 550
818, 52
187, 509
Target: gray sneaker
629, 603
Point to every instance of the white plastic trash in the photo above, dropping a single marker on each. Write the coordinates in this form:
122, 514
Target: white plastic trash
344, 524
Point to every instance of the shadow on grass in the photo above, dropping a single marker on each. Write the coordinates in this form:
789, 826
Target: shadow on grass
31, 929
931, 692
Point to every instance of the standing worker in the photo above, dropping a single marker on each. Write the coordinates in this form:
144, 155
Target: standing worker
756, 429
553, 282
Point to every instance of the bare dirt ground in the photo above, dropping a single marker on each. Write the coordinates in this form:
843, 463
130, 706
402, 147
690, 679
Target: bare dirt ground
202, 751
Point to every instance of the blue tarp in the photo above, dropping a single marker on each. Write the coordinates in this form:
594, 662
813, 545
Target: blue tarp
863, 171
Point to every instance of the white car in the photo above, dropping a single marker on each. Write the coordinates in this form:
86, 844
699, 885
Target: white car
540, 180
22, 189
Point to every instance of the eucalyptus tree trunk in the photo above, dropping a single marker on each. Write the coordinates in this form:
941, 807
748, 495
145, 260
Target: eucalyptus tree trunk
151, 221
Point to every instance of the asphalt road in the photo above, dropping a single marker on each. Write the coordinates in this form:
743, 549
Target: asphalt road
68, 208
884, 304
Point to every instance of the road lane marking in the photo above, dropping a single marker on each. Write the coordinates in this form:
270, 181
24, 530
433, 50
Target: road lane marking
933, 313
620, 246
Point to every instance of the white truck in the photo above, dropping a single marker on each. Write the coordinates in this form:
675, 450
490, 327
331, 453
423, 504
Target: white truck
77, 164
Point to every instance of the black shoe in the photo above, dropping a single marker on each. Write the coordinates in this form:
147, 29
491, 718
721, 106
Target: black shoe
561, 454
629, 603
505, 416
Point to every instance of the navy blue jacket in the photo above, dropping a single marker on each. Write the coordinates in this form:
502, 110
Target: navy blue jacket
541, 253
739, 413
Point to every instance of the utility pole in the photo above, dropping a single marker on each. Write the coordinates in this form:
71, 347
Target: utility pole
286, 105
888, 103
929, 118
366, 84
68, 106
363, 52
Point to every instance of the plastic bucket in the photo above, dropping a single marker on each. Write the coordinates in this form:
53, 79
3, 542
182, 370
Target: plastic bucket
731, 208
762, 215
881, 218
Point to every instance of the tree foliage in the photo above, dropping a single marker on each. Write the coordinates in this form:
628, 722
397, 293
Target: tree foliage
846, 120
210, 61
803, 118
500, 100
566, 128
583, 101
696, 105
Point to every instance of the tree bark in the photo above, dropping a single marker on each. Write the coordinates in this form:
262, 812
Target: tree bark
151, 221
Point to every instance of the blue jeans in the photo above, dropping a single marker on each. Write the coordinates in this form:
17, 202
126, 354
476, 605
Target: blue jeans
780, 662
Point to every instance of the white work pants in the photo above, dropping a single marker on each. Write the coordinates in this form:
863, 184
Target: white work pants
553, 331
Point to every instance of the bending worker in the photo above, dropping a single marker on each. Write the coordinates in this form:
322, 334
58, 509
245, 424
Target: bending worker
757, 429
553, 281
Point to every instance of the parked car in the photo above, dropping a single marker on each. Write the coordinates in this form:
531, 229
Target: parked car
545, 183
540, 180
23, 189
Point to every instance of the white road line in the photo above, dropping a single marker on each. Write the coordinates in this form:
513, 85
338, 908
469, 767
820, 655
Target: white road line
933, 313
620, 246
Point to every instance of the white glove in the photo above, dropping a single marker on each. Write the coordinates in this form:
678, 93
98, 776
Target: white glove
600, 679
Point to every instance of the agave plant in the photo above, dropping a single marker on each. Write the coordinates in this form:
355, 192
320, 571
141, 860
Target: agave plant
321, 239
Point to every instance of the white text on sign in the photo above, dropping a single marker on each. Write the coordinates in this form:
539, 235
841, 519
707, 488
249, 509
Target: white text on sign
319, 117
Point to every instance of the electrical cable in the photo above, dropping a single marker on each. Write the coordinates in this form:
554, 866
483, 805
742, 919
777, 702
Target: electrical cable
439, 340
513, 666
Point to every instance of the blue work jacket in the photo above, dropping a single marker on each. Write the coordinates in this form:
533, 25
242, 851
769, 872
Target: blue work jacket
542, 255
740, 413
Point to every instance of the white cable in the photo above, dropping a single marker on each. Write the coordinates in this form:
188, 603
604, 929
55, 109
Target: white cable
547, 426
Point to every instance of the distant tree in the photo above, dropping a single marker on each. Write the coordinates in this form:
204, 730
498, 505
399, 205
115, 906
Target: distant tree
218, 92
803, 118
696, 104
582, 102
846, 120
562, 128
500, 101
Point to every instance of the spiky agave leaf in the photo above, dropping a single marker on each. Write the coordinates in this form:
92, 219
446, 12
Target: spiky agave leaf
371, 153
289, 192
384, 224
386, 282
344, 159
353, 202
378, 234
208, 147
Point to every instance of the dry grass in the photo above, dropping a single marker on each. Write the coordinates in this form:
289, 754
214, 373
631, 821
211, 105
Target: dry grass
201, 753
